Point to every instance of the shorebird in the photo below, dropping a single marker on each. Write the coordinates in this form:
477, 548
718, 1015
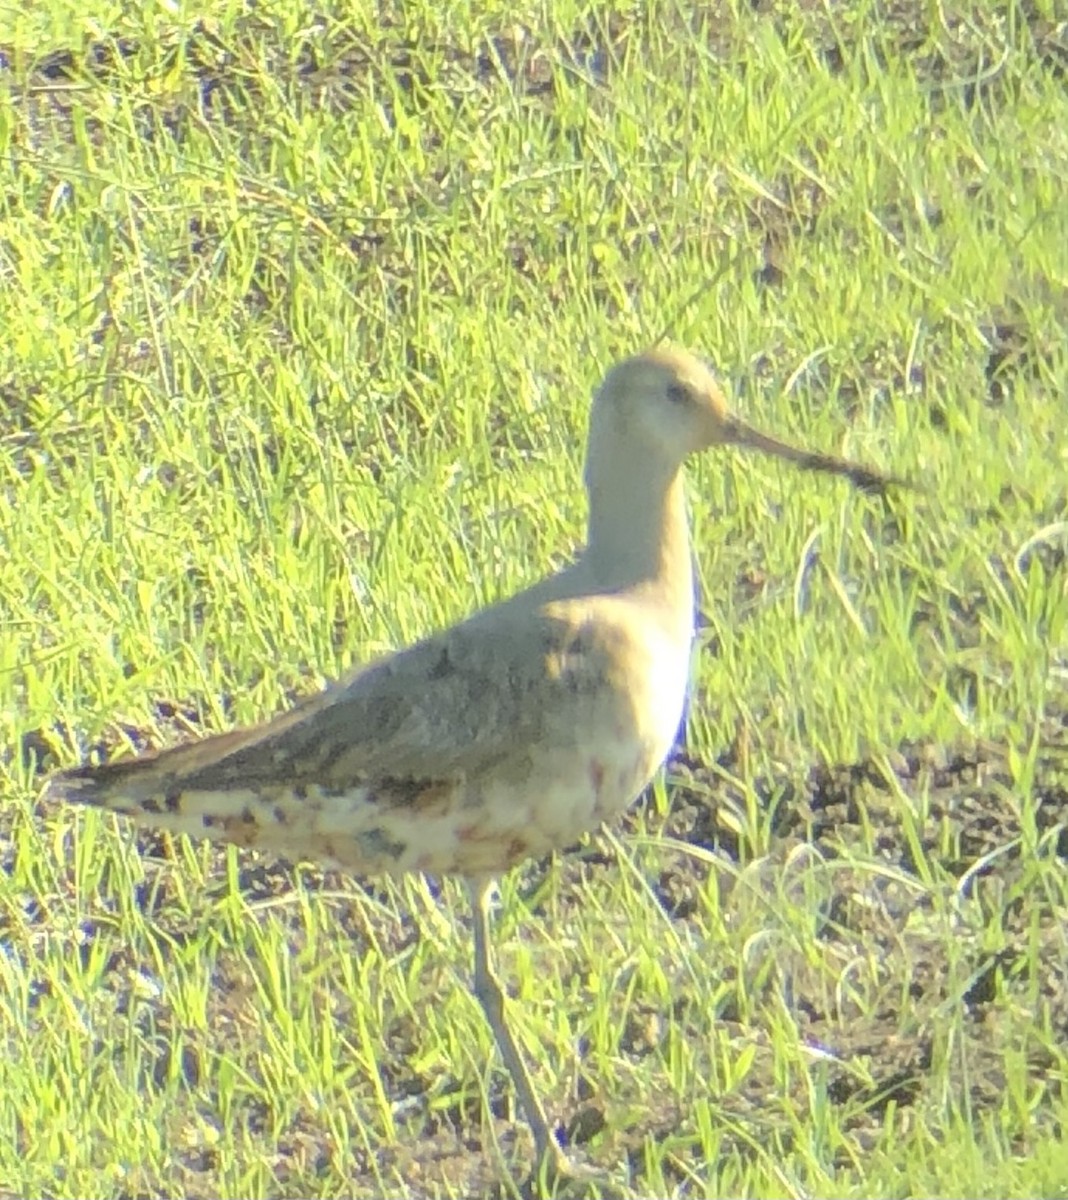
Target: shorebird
507, 735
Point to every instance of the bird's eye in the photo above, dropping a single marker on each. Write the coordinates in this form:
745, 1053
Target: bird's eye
678, 393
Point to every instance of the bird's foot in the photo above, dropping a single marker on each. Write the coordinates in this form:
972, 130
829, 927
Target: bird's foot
557, 1174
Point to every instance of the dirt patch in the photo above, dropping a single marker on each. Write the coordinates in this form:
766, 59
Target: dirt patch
962, 821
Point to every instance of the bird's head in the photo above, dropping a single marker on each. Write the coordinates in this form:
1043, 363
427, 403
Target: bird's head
654, 410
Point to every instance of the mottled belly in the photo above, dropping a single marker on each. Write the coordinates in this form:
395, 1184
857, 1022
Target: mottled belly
470, 828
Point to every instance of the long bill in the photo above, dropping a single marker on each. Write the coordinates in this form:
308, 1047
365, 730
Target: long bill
867, 479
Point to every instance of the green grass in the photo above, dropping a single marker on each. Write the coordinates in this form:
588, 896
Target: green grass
301, 311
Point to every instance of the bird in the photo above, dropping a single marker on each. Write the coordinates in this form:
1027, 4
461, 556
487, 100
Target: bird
506, 736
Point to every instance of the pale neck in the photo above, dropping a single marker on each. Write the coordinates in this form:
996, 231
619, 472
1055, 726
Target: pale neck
638, 536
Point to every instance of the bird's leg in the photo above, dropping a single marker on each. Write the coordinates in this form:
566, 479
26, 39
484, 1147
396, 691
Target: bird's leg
491, 997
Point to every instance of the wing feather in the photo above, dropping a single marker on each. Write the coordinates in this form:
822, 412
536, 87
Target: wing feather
461, 702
